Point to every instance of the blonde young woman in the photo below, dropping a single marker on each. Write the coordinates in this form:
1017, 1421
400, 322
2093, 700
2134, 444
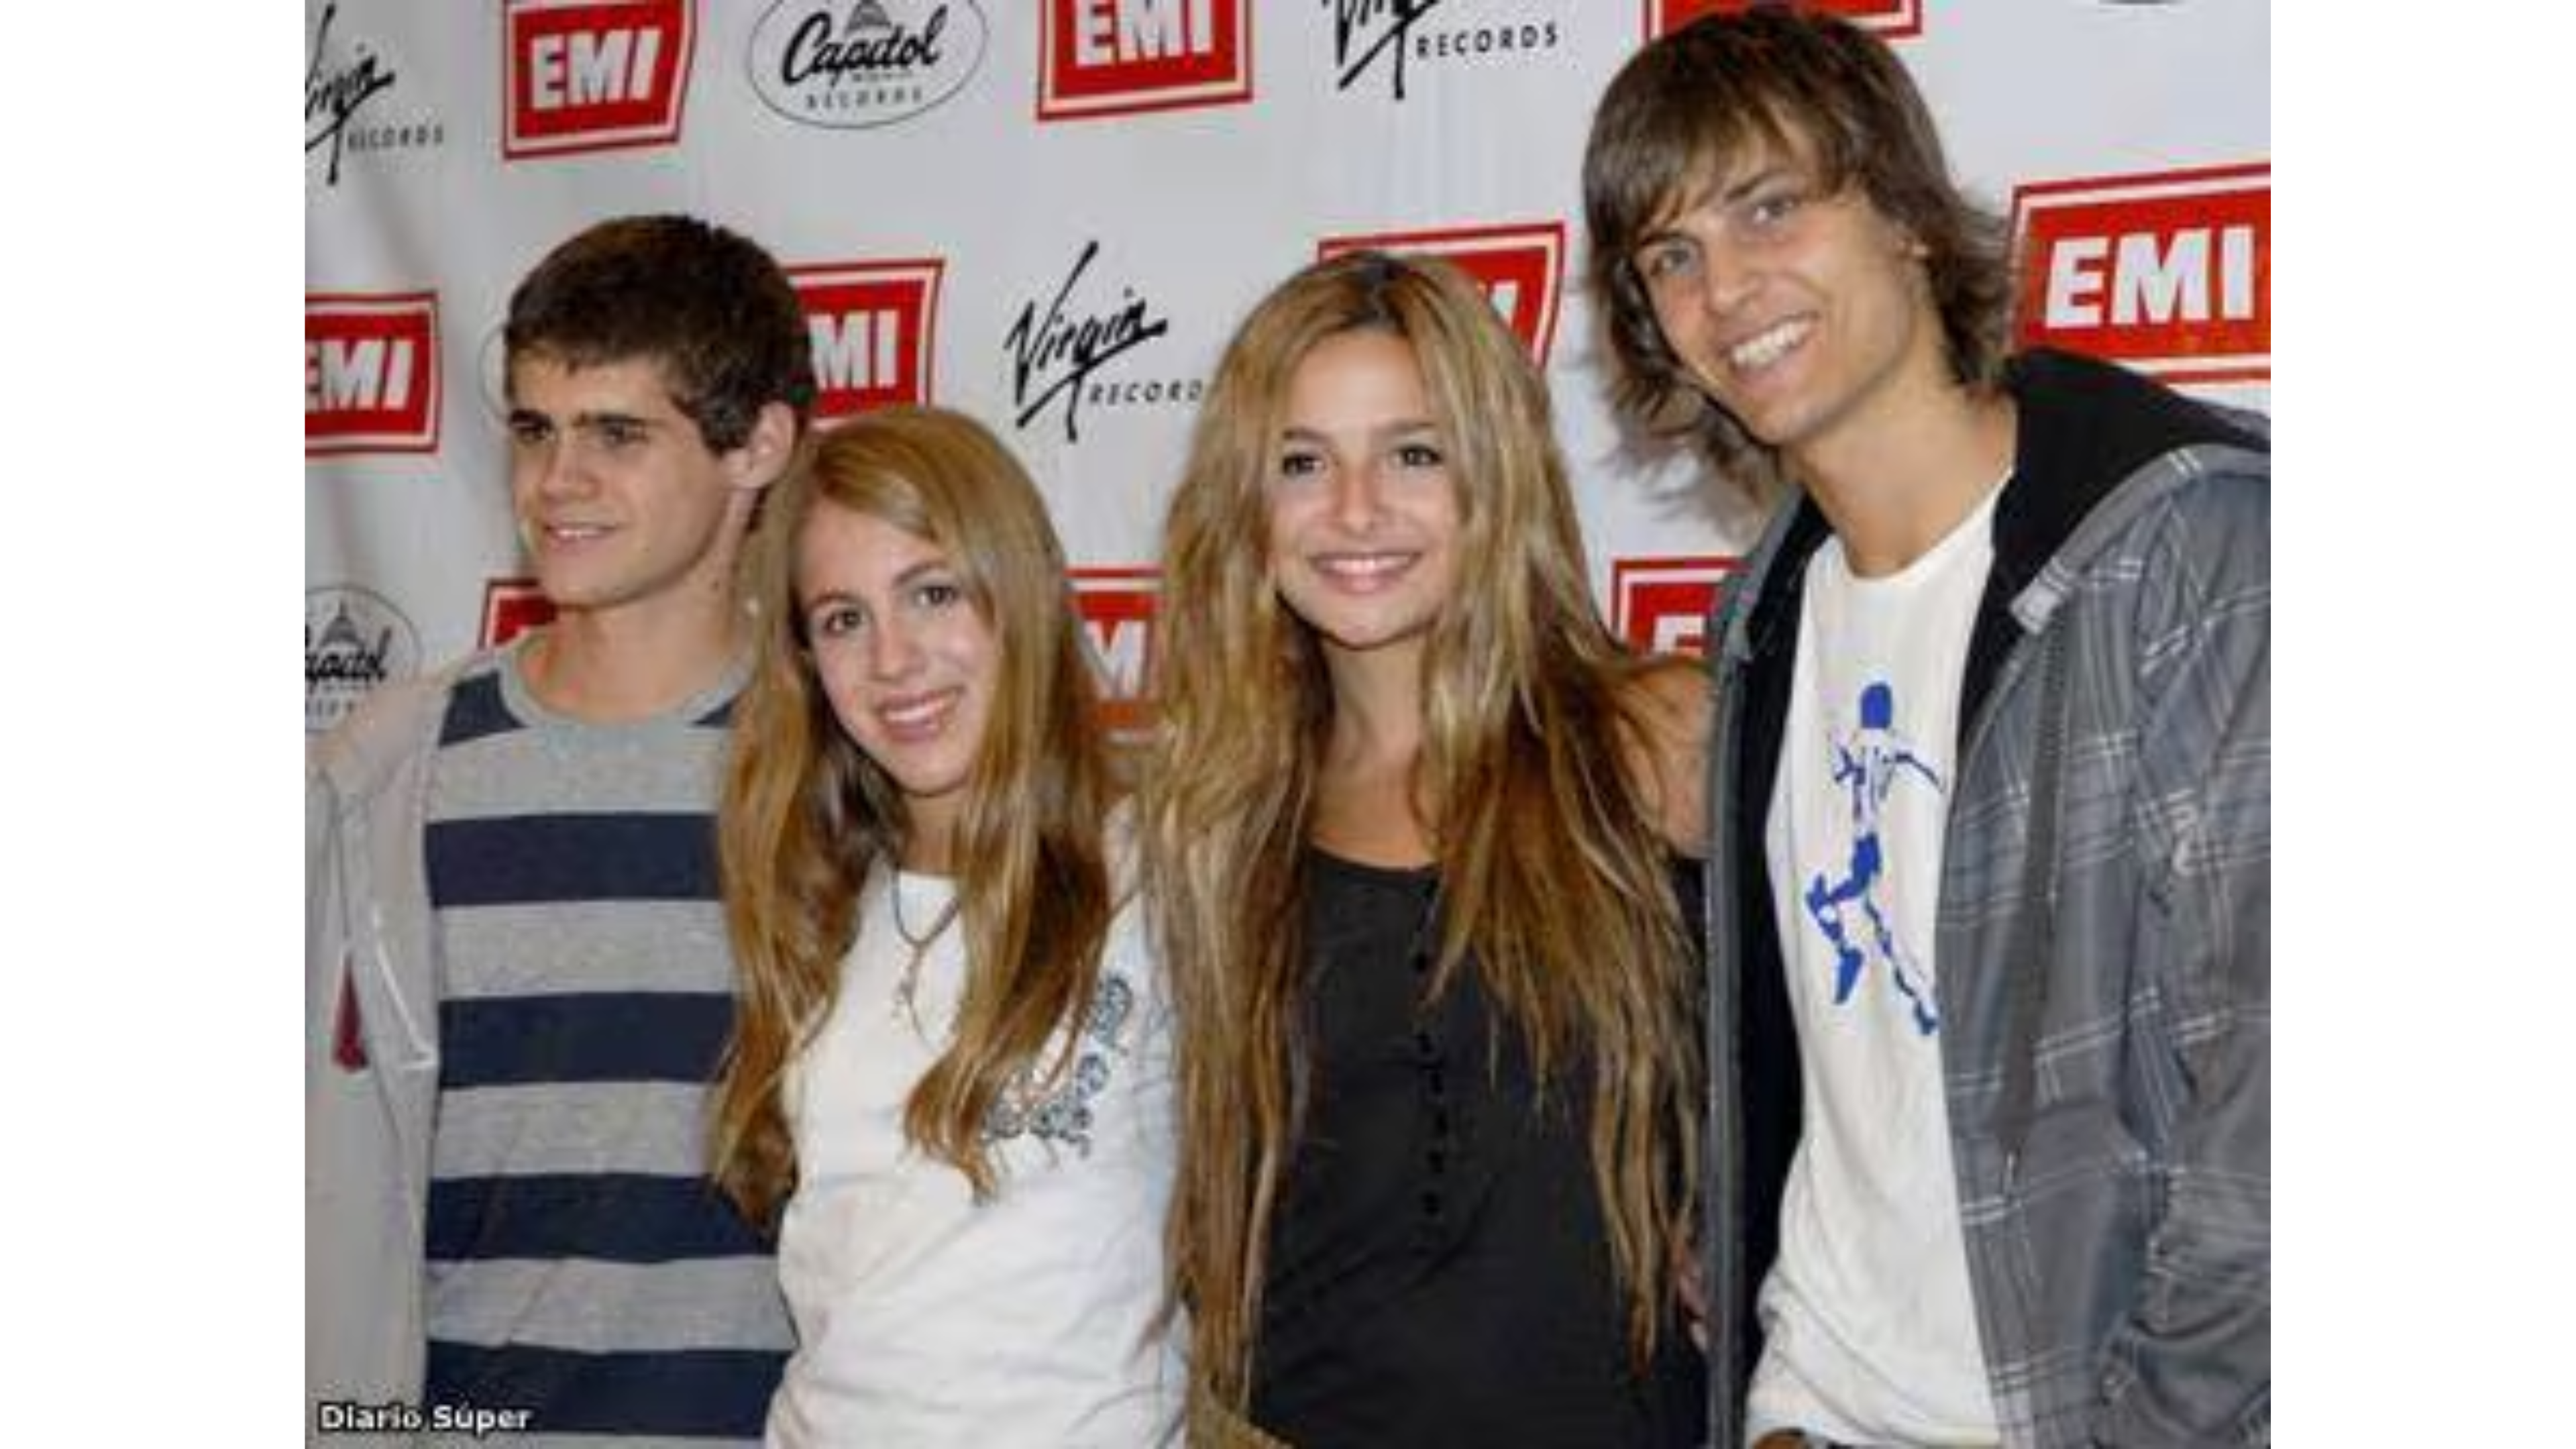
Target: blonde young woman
1415, 832
949, 1084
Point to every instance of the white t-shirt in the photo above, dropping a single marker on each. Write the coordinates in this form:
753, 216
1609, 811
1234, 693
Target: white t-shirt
926, 1318
1870, 1332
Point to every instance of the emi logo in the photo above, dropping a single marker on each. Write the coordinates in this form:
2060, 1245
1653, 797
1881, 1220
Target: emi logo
370, 373
511, 607
1892, 19
1117, 606
874, 325
2168, 272
1113, 57
1663, 605
1521, 267
593, 75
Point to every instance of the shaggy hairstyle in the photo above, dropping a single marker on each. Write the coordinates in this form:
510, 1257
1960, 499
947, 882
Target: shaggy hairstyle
705, 303
1556, 891
1691, 106
807, 815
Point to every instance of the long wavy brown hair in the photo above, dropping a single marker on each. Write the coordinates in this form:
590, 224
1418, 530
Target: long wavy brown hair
1555, 879
806, 815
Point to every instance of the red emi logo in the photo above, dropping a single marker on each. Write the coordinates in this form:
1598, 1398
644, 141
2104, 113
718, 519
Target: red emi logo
370, 373
874, 325
2168, 272
1117, 607
1113, 57
1890, 18
1661, 605
593, 75
511, 607
1521, 267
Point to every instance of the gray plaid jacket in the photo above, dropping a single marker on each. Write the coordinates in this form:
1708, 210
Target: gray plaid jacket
2104, 937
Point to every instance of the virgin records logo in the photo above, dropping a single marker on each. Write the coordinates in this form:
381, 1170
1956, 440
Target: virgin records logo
345, 87
1054, 353
1365, 30
1386, 35
336, 93
346, 104
851, 66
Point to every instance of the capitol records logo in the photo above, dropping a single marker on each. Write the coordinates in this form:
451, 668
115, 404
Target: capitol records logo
1055, 353
1663, 605
354, 640
370, 373
875, 66
2168, 272
1113, 57
1521, 267
1892, 19
593, 75
511, 607
873, 325
1117, 606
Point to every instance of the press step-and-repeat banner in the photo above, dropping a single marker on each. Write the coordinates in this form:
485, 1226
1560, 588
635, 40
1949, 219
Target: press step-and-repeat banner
1051, 214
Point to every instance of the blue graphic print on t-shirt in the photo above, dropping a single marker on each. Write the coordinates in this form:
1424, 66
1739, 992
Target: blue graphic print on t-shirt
1868, 766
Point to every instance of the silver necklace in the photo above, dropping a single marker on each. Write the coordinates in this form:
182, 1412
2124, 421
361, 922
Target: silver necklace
910, 982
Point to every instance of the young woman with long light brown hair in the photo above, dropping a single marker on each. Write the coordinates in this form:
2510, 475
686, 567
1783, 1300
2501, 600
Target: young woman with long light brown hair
949, 1083
1411, 843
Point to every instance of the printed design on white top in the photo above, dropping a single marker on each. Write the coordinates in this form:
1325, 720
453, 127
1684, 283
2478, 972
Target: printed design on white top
1869, 765
1064, 1114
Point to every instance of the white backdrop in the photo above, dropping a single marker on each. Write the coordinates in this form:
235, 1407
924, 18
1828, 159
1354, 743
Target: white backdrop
1051, 213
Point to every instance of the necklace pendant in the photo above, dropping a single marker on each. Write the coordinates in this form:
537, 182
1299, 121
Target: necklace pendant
908, 984
904, 1009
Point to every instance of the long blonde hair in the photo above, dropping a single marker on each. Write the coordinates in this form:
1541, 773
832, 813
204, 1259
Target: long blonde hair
806, 815
1554, 876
